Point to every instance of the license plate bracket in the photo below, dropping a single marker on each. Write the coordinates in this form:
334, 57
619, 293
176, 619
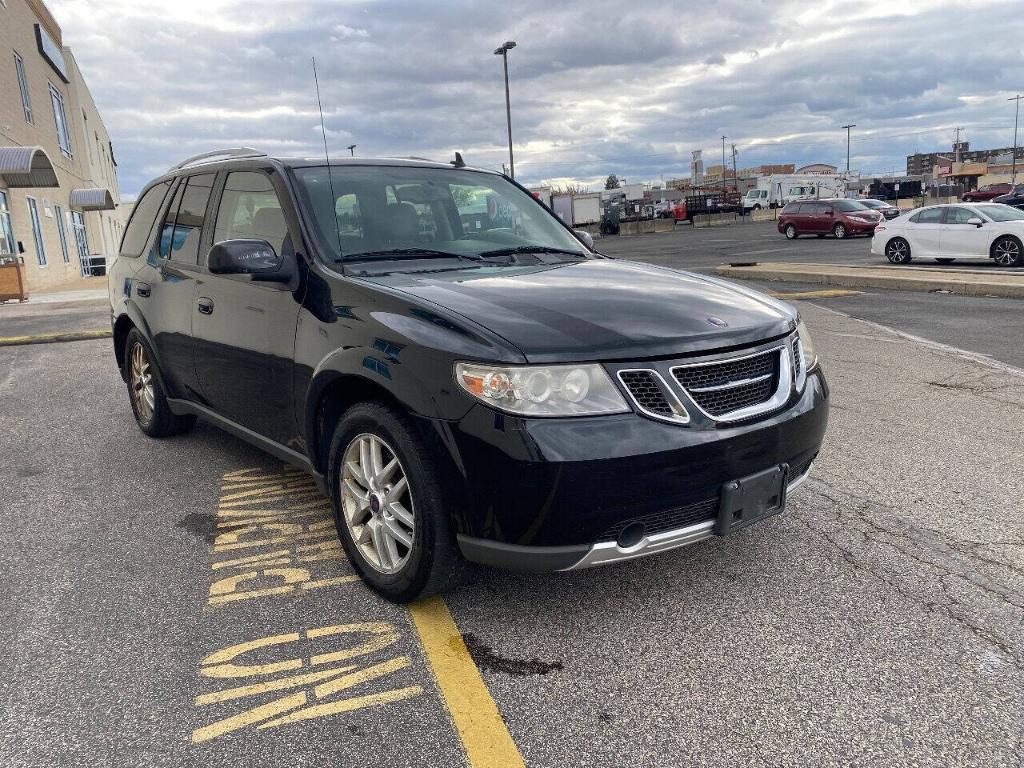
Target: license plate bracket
753, 498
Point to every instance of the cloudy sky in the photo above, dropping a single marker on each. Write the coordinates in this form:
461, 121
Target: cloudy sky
598, 87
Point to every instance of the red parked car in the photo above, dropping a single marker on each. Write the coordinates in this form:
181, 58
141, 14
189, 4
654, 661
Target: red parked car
987, 192
841, 218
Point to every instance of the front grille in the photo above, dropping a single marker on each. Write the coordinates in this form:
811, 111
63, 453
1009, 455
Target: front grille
723, 387
668, 519
645, 390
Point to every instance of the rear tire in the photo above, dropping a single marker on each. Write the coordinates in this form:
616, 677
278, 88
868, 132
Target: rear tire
431, 563
149, 401
897, 251
1007, 252
839, 230
790, 232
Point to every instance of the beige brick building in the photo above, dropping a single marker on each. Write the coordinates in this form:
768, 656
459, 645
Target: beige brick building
58, 181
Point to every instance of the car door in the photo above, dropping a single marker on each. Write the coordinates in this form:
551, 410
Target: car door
924, 232
165, 288
245, 330
960, 239
812, 215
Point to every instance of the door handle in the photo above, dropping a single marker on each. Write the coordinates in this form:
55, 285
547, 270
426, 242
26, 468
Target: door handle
143, 289
205, 305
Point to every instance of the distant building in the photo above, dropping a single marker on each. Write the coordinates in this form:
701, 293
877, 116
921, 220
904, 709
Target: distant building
923, 163
817, 168
58, 180
767, 170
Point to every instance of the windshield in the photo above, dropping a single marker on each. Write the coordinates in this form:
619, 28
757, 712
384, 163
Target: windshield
1001, 212
849, 205
380, 212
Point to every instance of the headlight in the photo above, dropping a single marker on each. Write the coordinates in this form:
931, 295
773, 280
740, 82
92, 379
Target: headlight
806, 346
549, 390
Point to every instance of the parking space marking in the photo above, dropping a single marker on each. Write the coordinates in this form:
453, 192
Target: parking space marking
274, 535
825, 293
485, 737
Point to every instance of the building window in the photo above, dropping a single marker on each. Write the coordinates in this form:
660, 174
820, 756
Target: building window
62, 233
37, 231
6, 233
26, 103
63, 138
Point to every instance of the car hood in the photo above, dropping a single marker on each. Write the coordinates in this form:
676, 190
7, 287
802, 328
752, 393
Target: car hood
601, 309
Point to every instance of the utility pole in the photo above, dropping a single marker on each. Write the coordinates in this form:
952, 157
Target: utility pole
351, 149
848, 127
735, 175
1013, 167
723, 163
956, 146
503, 52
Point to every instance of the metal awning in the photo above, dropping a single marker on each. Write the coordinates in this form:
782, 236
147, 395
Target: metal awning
94, 199
26, 167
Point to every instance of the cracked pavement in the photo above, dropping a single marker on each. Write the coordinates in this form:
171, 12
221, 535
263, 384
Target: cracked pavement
878, 622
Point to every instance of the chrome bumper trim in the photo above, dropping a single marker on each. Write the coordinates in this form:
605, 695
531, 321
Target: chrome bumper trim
609, 552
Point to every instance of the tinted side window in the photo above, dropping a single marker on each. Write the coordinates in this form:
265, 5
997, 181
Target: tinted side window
815, 209
141, 223
167, 230
958, 215
188, 224
250, 210
928, 216
793, 208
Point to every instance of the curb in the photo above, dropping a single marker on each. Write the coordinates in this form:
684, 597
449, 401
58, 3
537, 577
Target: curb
53, 338
917, 280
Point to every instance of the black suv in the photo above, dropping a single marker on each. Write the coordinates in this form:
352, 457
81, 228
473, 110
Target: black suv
463, 375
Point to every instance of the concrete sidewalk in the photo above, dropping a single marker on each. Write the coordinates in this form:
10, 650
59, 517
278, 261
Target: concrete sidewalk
980, 282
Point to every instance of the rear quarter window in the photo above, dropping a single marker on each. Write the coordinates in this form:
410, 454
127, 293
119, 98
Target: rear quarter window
142, 220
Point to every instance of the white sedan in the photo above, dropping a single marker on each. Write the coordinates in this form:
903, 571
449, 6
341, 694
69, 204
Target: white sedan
949, 232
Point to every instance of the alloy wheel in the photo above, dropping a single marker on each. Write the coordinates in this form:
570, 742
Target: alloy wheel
897, 251
143, 391
1007, 252
839, 231
377, 504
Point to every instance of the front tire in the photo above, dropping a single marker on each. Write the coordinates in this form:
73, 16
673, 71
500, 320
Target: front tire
1007, 252
839, 230
388, 506
149, 401
790, 232
897, 251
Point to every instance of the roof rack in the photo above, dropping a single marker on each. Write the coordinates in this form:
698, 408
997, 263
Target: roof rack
217, 154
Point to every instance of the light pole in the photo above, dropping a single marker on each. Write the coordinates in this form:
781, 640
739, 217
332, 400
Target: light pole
352, 149
1013, 167
848, 127
503, 52
723, 163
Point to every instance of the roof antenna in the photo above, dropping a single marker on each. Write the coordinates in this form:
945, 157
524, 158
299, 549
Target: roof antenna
330, 177
458, 162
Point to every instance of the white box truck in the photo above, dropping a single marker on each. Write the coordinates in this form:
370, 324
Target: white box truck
562, 206
776, 191
586, 209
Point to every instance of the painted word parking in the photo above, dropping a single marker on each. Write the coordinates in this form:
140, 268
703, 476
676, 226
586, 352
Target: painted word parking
274, 537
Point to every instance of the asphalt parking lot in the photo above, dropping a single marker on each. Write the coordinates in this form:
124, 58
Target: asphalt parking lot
183, 602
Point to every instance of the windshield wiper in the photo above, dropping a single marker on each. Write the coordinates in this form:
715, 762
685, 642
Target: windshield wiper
529, 249
405, 253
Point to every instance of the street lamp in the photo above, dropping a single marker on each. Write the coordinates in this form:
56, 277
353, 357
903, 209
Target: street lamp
1013, 171
848, 127
503, 52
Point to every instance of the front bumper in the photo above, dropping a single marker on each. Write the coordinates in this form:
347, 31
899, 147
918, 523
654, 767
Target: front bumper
545, 495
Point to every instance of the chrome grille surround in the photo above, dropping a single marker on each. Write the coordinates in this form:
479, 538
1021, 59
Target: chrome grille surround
673, 410
773, 389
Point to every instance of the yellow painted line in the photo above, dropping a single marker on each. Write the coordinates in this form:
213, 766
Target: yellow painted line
826, 293
484, 735
51, 338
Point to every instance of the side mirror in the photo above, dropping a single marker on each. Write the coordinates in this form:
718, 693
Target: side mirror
975, 221
584, 237
250, 257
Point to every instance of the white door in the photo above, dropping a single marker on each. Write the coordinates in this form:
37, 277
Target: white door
960, 239
924, 232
